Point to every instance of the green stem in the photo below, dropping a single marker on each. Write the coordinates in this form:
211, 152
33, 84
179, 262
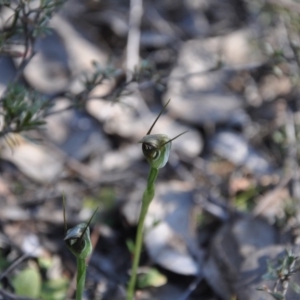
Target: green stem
147, 198
81, 273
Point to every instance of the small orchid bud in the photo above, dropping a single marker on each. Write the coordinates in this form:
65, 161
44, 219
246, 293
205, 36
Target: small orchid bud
79, 243
78, 240
156, 149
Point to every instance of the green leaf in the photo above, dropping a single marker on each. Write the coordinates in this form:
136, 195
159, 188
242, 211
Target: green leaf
38, 123
28, 283
290, 260
27, 118
269, 276
277, 296
295, 287
4, 263
130, 245
151, 278
55, 289
245, 200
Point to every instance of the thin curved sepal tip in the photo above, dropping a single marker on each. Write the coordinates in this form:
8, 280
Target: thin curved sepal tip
149, 131
64, 212
88, 224
174, 138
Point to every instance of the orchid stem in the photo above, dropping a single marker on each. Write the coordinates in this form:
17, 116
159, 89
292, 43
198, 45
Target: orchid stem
147, 198
80, 281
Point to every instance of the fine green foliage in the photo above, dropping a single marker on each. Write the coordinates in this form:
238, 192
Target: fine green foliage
156, 149
281, 272
28, 20
24, 110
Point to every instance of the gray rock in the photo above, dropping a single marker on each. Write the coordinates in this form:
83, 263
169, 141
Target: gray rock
48, 71
235, 148
170, 229
198, 85
122, 119
234, 242
38, 162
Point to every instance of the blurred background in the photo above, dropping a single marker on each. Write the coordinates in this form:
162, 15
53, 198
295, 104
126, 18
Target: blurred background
81, 82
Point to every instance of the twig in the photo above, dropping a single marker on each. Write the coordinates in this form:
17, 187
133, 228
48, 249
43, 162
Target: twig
191, 288
161, 24
291, 5
10, 296
134, 34
294, 49
28, 47
292, 155
14, 265
74, 164
28, 43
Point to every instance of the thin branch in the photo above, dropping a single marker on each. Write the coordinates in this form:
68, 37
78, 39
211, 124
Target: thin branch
134, 34
292, 159
10, 296
14, 265
191, 288
288, 4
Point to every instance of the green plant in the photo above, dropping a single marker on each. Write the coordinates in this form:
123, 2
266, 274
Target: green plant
156, 149
281, 272
32, 280
24, 109
151, 277
28, 20
28, 282
79, 243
